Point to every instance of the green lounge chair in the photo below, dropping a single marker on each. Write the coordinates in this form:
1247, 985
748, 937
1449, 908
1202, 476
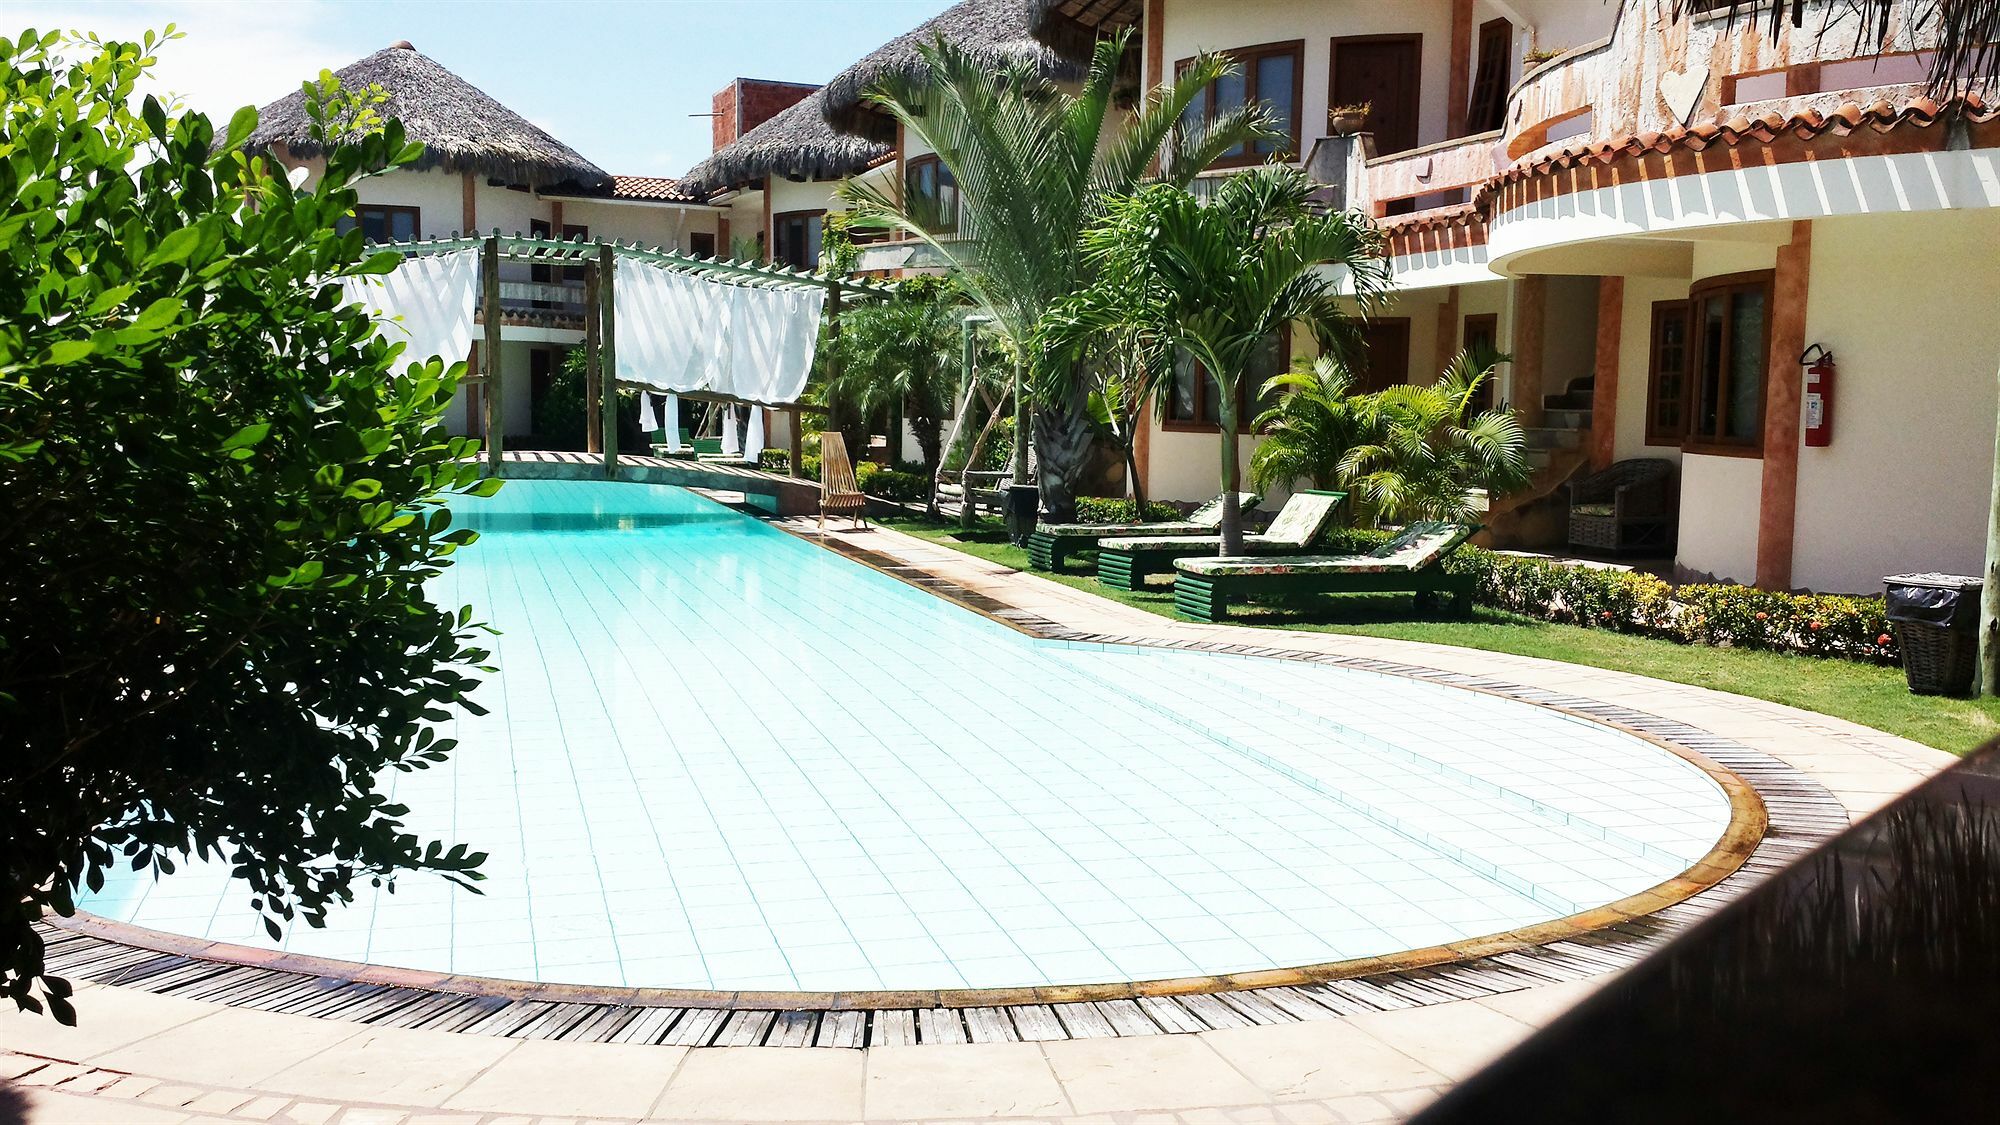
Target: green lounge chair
1124, 563
1412, 561
1049, 544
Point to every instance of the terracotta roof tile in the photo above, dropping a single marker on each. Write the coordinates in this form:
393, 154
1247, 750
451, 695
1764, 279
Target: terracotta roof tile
1806, 124
646, 189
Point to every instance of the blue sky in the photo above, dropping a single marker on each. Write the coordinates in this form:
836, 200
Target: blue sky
614, 79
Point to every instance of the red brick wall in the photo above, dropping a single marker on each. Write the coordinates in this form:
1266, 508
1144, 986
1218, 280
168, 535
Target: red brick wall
749, 102
723, 124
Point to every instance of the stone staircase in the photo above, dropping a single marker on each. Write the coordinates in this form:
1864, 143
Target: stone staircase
1538, 515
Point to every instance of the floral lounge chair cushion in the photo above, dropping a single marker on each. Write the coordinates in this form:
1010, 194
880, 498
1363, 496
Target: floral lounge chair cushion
1208, 517
1299, 523
1593, 509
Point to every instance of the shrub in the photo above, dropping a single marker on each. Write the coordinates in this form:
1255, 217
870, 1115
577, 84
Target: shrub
809, 466
224, 493
896, 484
1720, 614
1820, 624
1121, 509
774, 460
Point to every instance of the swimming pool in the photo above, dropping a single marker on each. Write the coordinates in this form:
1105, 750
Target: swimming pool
721, 757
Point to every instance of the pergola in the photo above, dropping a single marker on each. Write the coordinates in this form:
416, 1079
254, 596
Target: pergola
596, 259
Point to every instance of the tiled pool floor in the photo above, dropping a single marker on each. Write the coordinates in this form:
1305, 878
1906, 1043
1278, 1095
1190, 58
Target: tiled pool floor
720, 757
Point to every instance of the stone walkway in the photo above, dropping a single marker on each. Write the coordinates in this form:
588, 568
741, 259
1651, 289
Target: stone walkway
140, 1057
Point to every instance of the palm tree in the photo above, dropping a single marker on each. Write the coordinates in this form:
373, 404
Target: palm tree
1033, 165
1215, 280
901, 362
1308, 432
1431, 452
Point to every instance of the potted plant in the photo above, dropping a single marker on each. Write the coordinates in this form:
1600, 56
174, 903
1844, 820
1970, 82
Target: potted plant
1347, 120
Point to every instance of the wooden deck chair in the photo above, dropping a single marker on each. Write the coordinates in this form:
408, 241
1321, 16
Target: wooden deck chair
1413, 561
1123, 563
838, 490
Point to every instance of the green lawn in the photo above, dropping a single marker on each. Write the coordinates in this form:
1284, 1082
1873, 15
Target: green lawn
1867, 694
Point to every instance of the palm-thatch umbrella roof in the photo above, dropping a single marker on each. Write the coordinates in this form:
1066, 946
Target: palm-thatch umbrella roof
1071, 26
1001, 31
462, 128
796, 143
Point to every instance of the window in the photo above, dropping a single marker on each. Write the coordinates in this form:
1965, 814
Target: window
1385, 353
931, 194
797, 235
1482, 337
1666, 379
1489, 84
1269, 74
1729, 322
701, 244
381, 222
1195, 401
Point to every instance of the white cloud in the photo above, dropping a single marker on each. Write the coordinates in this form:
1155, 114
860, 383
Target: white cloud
234, 53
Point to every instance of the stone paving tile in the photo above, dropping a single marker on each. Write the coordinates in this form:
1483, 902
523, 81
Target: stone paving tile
1324, 1060
962, 1080
398, 1067
1147, 1072
553, 1077
311, 1113
766, 1084
52, 1074
234, 1047
53, 1107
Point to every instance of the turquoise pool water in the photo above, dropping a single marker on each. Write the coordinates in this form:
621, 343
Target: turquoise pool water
719, 756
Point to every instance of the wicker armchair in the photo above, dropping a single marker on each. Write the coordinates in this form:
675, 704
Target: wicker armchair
1627, 507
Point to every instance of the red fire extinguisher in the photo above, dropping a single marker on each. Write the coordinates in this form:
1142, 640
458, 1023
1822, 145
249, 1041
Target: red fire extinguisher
1819, 396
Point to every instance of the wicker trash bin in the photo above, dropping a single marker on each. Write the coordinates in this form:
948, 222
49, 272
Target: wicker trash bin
1936, 617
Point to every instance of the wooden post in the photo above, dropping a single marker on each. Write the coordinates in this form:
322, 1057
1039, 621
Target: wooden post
593, 360
607, 353
1988, 676
798, 449
489, 278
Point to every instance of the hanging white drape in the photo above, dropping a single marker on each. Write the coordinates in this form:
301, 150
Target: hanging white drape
732, 445
426, 304
670, 328
672, 421
680, 332
649, 411
753, 436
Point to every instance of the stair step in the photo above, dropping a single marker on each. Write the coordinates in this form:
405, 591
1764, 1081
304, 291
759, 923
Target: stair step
1569, 400
1564, 419
1546, 437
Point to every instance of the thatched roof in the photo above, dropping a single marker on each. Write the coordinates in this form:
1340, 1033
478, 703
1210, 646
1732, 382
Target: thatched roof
795, 143
1071, 26
999, 30
461, 127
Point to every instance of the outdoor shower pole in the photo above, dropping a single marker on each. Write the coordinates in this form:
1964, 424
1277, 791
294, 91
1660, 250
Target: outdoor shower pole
607, 354
489, 356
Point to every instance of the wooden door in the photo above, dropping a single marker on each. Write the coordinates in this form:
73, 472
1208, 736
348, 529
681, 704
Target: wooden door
1384, 71
1385, 355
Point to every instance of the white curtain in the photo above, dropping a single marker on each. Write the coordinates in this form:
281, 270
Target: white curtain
649, 411
426, 304
731, 444
681, 332
672, 421
753, 437
671, 328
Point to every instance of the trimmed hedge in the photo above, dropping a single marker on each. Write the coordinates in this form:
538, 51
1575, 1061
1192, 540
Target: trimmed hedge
1723, 615
1121, 509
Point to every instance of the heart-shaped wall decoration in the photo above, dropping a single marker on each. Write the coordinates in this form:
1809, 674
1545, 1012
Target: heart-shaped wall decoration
1681, 90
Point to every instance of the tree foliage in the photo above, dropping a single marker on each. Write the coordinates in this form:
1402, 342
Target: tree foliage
1034, 166
1317, 419
1215, 280
900, 360
223, 493
1429, 449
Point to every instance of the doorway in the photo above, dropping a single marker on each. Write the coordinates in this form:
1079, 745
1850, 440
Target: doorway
1385, 72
